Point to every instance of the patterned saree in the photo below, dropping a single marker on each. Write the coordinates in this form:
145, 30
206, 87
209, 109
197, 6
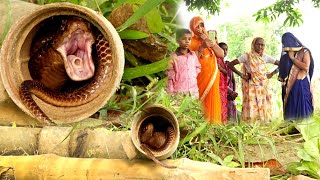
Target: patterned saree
256, 105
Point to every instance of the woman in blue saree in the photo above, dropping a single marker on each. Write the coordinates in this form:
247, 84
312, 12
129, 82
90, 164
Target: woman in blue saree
295, 73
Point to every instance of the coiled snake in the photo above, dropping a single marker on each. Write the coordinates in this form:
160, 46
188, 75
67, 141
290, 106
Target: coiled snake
155, 141
63, 56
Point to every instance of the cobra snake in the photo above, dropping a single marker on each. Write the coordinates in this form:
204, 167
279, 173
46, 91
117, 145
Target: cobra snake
66, 55
155, 141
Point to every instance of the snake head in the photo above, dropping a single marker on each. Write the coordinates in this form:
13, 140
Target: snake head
75, 48
146, 132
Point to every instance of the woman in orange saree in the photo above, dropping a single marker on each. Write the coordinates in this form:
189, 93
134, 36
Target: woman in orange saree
208, 79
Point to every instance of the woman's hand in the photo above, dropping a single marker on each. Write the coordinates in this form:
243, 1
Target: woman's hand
203, 36
233, 95
246, 77
291, 54
207, 43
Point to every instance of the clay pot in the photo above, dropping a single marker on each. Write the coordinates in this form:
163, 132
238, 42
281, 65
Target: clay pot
15, 56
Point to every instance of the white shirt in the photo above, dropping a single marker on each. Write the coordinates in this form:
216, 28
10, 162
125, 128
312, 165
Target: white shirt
244, 59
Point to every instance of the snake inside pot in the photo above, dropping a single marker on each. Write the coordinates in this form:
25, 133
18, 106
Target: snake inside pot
156, 135
69, 61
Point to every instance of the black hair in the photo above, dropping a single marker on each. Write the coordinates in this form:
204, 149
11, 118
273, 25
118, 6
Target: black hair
222, 44
181, 32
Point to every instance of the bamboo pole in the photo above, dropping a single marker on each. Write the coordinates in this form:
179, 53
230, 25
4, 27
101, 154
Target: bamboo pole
64, 141
51, 166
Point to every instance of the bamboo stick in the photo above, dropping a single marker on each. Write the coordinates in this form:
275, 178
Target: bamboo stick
64, 141
50, 166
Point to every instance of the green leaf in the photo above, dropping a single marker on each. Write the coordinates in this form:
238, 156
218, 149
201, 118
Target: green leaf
143, 10
184, 105
233, 164
135, 72
286, 21
94, 4
309, 130
120, 3
131, 58
216, 158
132, 34
311, 167
228, 159
197, 131
154, 21
292, 168
166, 101
312, 149
303, 168
153, 18
304, 155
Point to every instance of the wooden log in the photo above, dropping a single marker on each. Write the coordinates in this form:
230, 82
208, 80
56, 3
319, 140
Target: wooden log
50, 166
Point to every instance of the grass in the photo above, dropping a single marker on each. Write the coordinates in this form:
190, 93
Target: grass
7, 21
226, 145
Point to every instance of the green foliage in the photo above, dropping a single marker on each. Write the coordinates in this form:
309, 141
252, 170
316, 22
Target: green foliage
268, 14
143, 10
212, 6
272, 12
310, 153
132, 34
239, 35
153, 18
143, 70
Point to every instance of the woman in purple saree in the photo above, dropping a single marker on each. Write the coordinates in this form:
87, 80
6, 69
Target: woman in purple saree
295, 73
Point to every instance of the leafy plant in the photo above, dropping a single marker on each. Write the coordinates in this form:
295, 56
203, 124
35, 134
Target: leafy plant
212, 7
272, 12
268, 14
310, 153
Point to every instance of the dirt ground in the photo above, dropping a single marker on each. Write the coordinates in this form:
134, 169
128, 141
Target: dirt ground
286, 152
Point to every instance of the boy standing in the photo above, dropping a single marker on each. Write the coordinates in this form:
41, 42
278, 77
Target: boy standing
183, 67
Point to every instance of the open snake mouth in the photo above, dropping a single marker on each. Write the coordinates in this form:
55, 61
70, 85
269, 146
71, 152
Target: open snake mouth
76, 50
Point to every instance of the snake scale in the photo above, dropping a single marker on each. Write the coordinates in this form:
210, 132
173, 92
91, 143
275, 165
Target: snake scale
66, 55
153, 140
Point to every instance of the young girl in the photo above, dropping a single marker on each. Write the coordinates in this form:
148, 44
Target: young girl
230, 90
223, 85
183, 67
